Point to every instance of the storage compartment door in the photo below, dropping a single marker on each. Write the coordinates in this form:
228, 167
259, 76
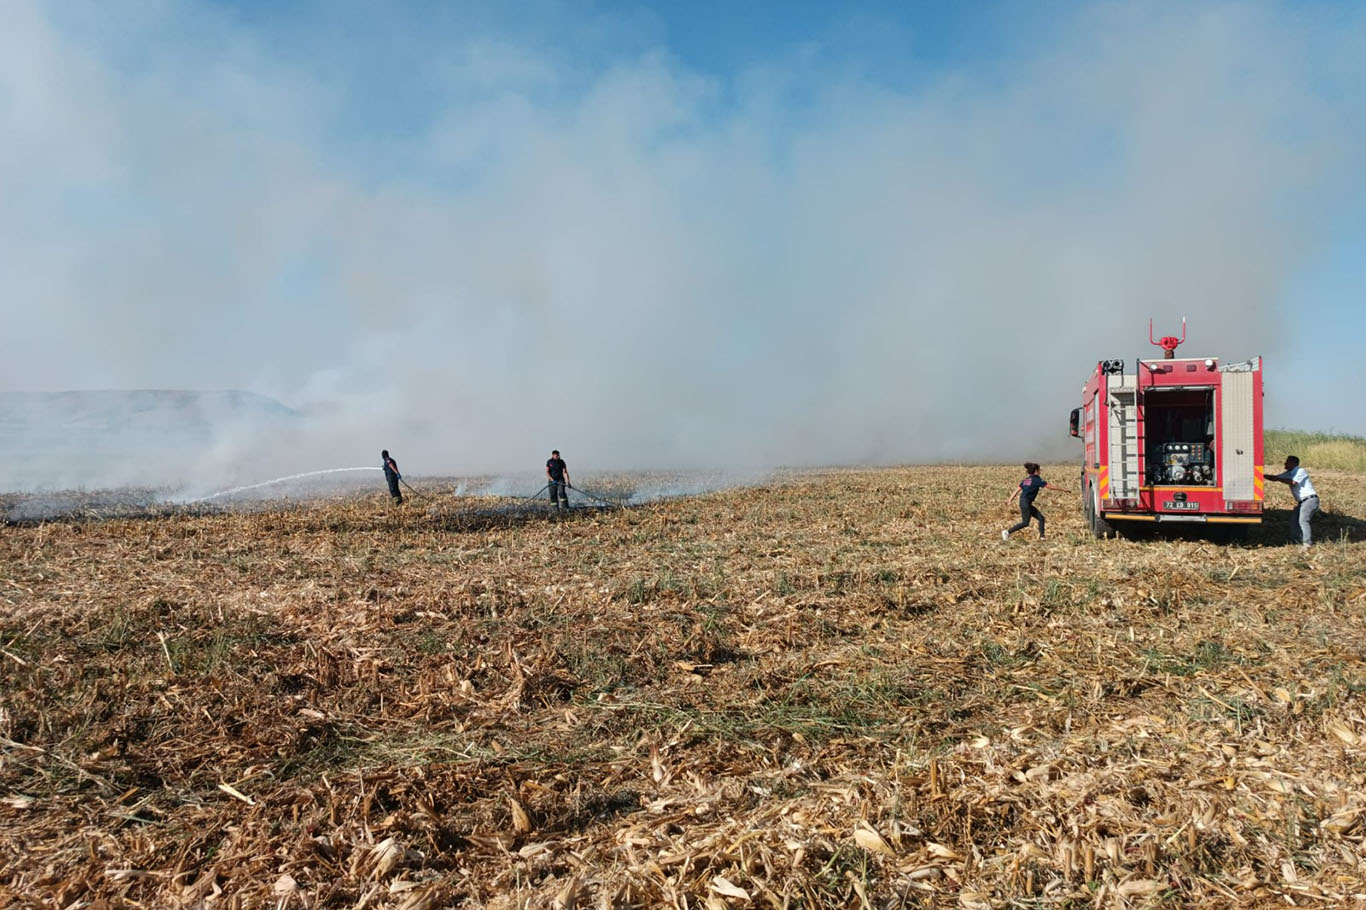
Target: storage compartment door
1236, 455
1123, 480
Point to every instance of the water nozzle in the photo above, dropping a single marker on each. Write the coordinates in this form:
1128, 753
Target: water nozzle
1168, 343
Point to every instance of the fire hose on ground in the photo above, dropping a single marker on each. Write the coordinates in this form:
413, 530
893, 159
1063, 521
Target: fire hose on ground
610, 502
536, 495
614, 503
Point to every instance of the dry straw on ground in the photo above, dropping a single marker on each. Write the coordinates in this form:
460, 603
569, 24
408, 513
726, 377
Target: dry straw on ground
844, 691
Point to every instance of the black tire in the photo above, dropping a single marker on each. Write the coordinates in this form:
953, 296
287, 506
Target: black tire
1230, 534
1100, 528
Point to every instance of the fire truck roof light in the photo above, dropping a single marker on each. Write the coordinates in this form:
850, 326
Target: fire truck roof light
1209, 364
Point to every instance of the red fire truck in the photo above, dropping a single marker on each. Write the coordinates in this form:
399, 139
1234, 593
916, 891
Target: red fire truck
1174, 440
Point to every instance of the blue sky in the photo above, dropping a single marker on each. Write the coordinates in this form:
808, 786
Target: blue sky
1323, 318
825, 233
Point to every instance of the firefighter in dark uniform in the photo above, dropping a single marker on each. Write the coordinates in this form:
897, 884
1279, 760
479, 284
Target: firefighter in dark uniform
558, 474
392, 475
1028, 489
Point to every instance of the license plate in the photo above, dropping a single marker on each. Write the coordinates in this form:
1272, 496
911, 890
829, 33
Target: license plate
1175, 506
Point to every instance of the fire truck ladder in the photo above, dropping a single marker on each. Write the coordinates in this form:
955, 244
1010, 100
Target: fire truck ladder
1125, 456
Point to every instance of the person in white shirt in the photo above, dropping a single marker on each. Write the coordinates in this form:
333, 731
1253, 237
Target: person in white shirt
1306, 499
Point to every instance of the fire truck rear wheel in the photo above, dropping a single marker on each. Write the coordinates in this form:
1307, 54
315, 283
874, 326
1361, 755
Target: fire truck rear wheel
1100, 528
1229, 533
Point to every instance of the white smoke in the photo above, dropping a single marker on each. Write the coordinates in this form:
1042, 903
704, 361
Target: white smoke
640, 263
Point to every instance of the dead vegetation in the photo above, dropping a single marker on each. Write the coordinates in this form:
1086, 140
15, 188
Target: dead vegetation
840, 692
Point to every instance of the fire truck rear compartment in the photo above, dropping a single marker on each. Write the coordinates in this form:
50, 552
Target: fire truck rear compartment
1178, 436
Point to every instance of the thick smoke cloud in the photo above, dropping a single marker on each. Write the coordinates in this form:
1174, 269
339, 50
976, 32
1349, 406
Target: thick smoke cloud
606, 250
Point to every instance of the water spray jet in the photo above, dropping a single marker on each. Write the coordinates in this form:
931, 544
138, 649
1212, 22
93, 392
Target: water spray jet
267, 483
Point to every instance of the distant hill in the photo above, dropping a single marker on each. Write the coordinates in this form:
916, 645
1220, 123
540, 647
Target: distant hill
71, 439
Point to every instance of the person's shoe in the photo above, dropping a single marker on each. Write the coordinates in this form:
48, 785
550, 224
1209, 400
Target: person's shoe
1005, 535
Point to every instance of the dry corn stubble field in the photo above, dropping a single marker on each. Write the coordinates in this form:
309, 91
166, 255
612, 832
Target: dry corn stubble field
841, 691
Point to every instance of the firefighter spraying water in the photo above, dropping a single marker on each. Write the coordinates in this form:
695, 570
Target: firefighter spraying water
392, 476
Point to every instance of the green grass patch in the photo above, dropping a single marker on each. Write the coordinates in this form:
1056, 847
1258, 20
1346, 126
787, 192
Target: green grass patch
1207, 656
1330, 451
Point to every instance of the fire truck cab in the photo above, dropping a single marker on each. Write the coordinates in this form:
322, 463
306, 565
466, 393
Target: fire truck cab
1171, 441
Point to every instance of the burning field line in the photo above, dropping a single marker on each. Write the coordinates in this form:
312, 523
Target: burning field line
843, 691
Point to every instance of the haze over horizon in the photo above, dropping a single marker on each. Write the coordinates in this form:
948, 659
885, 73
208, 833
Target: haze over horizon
689, 236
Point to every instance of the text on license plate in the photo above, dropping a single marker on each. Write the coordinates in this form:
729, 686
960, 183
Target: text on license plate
1175, 506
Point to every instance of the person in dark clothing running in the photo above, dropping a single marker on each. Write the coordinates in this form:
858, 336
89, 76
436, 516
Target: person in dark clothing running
558, 474
392, 475
1027, 490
